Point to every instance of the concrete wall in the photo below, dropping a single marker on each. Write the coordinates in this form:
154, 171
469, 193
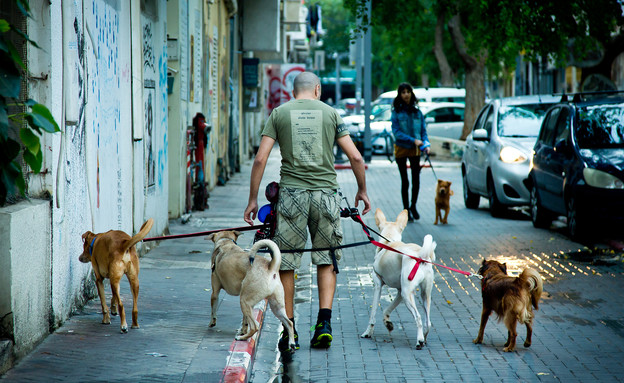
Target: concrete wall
25, 276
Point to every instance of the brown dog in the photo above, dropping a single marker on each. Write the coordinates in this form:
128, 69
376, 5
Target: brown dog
442, 201
250, 276
113, 254
510, 298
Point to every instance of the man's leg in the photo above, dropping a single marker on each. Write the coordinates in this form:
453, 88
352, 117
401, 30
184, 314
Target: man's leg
326, 280
288, 281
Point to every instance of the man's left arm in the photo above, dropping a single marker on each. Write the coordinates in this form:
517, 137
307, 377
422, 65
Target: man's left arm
257, 171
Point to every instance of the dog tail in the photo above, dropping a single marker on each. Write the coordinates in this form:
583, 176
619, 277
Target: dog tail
536, 285
428, 248
147, 226
276, 254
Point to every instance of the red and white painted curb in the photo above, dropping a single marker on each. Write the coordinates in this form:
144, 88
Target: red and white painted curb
242, 352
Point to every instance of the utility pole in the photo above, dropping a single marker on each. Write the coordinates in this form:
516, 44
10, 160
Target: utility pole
368, 152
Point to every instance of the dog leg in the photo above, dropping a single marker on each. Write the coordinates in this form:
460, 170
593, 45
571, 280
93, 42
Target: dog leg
105, 313
113, 306
393, 305
214, 300
250, 326
529, 326
425, 294
376, 296
122, 313
437, 215
408, 298
279, 310
510, 322
134, 286
485, 315
445, 219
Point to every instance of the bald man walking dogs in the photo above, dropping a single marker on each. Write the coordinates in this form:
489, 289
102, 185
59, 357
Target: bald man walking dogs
306, 129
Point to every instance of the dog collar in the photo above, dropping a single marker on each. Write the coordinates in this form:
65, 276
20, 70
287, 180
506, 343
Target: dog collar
91, 246
222, 239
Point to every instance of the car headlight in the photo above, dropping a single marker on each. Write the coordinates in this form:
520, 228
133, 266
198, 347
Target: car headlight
600, 179
511, 155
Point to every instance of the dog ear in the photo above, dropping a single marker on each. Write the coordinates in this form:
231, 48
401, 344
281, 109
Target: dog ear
237, 233
504, 267
210, 237
380, 218
402, 219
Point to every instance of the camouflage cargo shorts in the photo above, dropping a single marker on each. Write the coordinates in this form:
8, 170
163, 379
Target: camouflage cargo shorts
300, 210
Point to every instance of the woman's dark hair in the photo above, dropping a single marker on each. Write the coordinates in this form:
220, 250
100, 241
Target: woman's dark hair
398, 102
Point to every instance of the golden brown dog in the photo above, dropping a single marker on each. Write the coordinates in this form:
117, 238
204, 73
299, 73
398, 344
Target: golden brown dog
442, 201
250, 276
113, 254
510, 298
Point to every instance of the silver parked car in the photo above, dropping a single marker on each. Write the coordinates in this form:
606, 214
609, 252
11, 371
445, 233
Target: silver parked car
498, 151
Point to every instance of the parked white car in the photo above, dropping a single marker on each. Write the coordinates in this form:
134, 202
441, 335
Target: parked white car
427, 95
498, 152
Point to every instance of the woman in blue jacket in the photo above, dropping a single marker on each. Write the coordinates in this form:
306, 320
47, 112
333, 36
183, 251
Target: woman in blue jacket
410, 136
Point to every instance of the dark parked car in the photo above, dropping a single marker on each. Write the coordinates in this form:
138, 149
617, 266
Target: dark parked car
578, 164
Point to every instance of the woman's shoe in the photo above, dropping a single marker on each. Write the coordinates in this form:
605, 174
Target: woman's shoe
409, 216
414, 213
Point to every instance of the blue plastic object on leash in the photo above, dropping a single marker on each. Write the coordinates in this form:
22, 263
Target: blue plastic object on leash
264, 212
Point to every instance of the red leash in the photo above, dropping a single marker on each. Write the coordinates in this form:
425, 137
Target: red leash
243, 228
418, 260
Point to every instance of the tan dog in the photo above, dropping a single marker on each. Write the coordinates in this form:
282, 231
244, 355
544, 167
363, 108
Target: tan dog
113, 254
393, 269
442, 201
510, 298
250, 276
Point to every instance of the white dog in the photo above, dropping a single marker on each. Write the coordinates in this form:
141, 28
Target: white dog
393, 269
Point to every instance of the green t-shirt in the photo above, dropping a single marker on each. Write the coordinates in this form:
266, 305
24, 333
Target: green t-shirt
306, 131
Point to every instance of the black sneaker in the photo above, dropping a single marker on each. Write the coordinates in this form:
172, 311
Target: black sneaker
282, 344
322, 335
414, 212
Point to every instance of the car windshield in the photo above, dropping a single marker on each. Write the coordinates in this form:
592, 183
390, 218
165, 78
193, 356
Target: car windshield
521, 120
601, 126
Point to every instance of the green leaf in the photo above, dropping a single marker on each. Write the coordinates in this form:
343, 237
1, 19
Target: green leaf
45, 116
33, 122
30, 140
4, 26
4, 121
24, 36
34, 161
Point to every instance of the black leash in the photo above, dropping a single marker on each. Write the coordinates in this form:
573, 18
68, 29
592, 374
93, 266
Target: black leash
242, 228
427, 159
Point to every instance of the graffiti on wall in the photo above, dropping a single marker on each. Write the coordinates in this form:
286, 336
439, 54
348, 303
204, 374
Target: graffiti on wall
149, 97
280, 83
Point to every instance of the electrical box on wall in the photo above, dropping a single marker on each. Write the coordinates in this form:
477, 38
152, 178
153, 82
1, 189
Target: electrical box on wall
173, 49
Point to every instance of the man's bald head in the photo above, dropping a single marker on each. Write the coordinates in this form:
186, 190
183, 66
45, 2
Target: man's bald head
305, 85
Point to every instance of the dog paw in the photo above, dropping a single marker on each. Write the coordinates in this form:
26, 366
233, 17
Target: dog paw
420, 345
507, 349
527, 344
389, 325
477, 341
212, 323
124, 330
135, 326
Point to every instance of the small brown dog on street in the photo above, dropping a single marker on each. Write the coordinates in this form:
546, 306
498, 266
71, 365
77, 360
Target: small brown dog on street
442, 201
510, 298
251, 276
113, 254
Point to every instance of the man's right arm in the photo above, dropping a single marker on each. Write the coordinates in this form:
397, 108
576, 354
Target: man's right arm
257, 171
359, 170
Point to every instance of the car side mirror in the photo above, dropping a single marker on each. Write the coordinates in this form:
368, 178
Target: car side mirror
480, 135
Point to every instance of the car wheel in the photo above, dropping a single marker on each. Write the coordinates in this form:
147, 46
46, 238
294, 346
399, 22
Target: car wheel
539, 216
471, 200
496, 208
576, 223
